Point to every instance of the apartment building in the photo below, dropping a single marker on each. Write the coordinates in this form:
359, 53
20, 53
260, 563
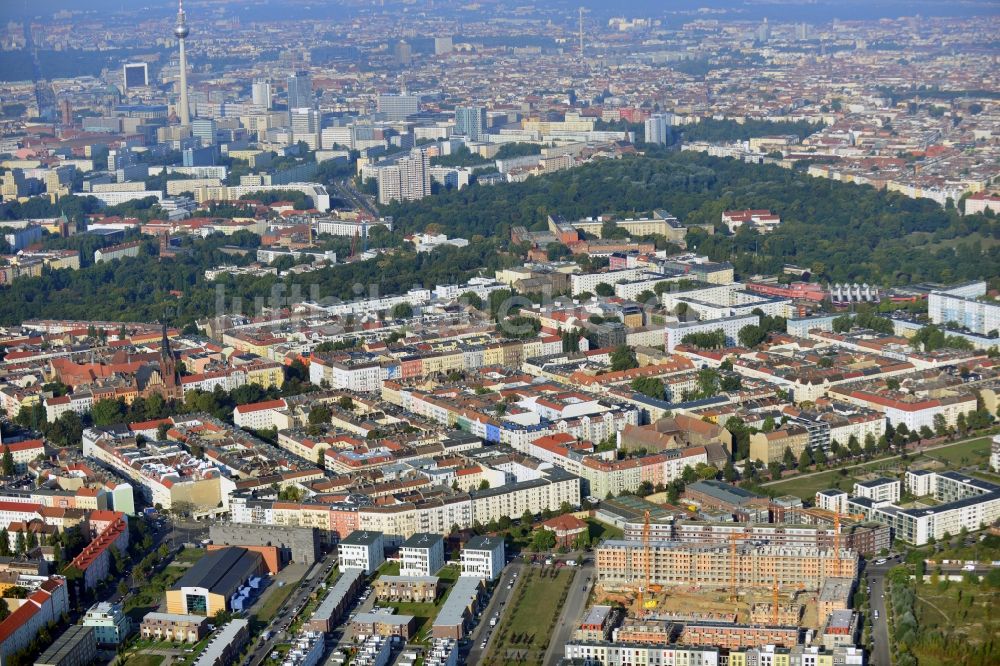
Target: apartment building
421, 555
832, 500
769, 447
362, 549
621, 563
258, 415
483, 557
878, 490
730, 326
967, 305
627, 654
174, 627
416, 589
46, 605
964, 502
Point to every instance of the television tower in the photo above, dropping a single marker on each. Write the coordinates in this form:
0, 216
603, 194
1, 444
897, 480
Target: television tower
581, 32
181, 31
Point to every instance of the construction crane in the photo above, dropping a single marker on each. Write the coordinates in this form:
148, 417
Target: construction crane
733, 538
774, 600
643, 603
828, 514
836, 536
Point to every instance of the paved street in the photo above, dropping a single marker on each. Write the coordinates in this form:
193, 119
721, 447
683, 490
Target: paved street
571, 612
497, 603
880, 628
286, 614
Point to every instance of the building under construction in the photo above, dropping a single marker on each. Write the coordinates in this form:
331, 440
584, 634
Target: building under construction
718, 634
861, 538
624, 564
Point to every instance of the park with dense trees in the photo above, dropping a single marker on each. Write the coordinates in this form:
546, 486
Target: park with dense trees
840, 231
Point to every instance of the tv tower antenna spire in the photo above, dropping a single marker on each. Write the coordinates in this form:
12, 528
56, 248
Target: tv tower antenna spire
581, 31
181, 31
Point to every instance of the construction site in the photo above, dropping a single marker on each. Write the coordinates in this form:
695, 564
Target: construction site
741, 580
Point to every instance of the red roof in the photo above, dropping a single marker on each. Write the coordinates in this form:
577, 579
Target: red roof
25, 507
148, 425
26, 445
260, 406
565, 523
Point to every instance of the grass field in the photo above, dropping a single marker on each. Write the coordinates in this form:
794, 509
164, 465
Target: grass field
961, 612
144, 660
269, 608
974, 452
530, 620
598, 531
389, 569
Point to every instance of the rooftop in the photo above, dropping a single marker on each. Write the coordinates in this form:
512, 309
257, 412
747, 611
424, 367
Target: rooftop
361, 538
221, 571
422, 540
484, 543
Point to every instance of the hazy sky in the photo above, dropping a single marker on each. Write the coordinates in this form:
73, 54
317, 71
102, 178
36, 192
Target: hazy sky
784, 10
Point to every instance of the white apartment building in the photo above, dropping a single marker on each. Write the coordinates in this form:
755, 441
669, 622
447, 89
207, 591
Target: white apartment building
421, 555
965, 502
921, 482
730, 326
587, 282
361, 549
365, 376
11, 512
258, 415
881, 489
408, 179
483, 557
967, 306
832, 500
351, 228
995, 454
626, 654
121, 196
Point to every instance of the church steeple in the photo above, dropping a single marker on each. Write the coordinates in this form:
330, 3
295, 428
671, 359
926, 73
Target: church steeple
165, 342
168, 363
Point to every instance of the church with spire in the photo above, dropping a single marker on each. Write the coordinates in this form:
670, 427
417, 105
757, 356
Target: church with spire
169, 374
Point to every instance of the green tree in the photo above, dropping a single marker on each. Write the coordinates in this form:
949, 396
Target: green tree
940, 425
402, 311
708, 382
751, 336
107, 412
8, 462
788, 459
843, 323
544, 540
320, 414
650, 386
623, 358
472, 298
